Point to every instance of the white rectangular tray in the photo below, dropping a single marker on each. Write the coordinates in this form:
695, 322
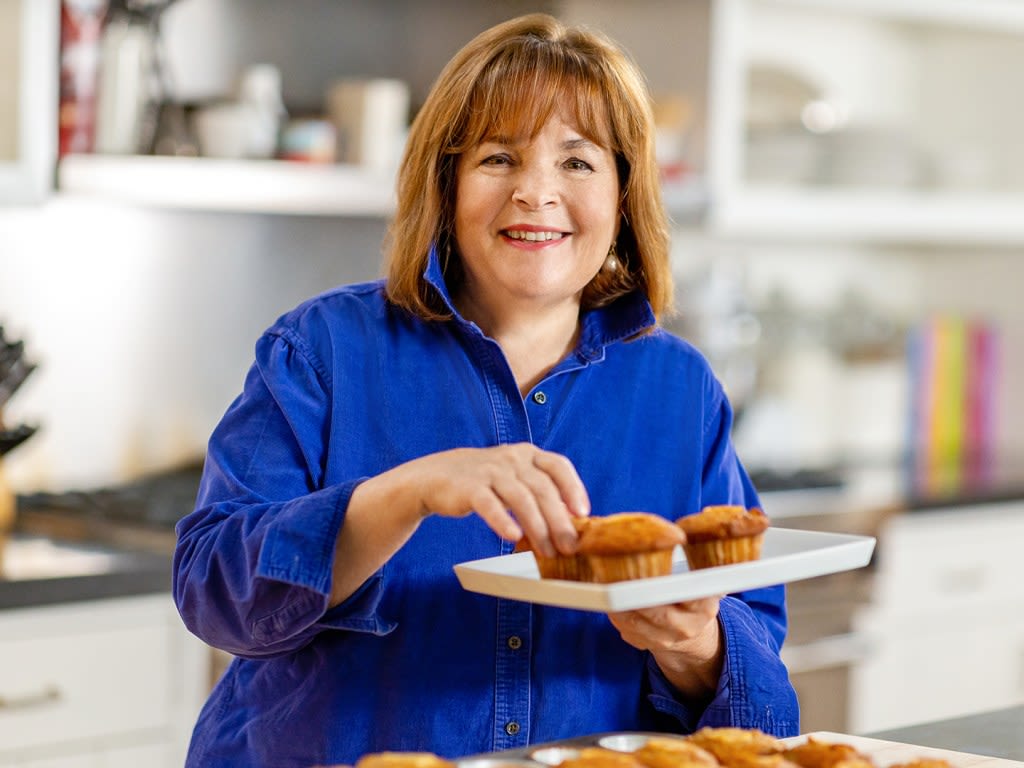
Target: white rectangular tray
786, 555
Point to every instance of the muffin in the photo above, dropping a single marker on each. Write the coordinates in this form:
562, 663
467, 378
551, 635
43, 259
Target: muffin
820, 754
674, 753
741, 747
629, 545
559, 566
403, 760
720, 535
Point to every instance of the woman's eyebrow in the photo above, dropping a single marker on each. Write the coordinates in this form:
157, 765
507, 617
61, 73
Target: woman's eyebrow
580, 143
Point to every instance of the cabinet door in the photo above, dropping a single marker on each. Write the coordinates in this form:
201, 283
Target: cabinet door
29, 40
84, 678
866, 120
940, 667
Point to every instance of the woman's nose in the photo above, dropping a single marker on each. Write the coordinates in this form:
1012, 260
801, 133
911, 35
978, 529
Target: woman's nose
535, 188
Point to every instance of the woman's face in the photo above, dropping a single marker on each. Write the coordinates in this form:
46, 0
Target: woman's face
534, 218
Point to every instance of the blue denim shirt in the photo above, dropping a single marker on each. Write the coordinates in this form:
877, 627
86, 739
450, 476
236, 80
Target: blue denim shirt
347, 386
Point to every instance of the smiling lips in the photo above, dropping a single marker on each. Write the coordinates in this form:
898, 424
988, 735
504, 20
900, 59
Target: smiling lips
533, 236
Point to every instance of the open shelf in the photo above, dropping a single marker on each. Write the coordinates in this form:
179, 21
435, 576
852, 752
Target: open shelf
207, 184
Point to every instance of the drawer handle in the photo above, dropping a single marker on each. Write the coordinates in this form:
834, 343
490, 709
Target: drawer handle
49, 695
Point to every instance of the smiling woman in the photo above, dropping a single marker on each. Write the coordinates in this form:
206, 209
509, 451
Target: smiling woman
504, 87
508, 378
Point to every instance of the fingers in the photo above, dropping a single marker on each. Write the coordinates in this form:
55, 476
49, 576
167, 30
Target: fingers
541, 490
517, 489
666, 627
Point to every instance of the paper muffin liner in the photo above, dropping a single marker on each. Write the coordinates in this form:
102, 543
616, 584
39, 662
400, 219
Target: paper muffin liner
706, 554
639, 565
568, 567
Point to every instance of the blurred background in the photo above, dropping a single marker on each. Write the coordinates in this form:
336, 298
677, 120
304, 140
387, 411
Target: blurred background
846, 184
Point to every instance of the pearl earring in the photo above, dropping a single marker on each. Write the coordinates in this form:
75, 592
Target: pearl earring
611, 261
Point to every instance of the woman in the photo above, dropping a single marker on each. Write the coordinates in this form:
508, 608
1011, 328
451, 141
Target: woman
507, 375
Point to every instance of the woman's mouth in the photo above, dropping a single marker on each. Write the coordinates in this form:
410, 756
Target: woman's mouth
531, 236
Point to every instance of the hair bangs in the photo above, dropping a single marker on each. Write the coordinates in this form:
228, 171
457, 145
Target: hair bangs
525, 85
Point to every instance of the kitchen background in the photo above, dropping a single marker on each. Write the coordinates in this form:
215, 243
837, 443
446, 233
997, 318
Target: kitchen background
847, 185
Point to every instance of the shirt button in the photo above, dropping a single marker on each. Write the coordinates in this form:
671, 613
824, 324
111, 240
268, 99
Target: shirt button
512, 728
540, 398
515, 642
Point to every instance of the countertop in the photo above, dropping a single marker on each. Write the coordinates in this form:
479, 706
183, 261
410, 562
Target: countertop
999, 733
39, 571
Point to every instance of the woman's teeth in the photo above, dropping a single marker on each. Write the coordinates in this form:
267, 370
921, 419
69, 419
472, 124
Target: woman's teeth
518, 234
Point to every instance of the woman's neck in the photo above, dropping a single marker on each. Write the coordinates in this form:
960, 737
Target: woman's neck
533, 340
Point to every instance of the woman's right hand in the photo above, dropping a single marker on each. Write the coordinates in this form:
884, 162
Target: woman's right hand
517, 489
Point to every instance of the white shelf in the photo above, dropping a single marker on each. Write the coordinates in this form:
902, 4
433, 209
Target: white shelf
267, 186
207, 184
879, 216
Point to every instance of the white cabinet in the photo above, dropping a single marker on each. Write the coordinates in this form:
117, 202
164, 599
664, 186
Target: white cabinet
867, 119
29, 38
99, 683
946, 622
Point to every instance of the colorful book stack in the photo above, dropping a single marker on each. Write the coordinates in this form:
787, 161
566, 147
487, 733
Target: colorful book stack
953, 373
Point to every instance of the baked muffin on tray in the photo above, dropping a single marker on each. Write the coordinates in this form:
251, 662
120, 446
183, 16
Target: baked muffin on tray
629, 545
821, 754
723, 534
737, 746
663, 752
403, 760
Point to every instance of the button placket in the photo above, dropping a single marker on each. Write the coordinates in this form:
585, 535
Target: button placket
539, 397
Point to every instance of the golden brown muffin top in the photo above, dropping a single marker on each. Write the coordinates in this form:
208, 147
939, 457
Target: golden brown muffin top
820, 754
599, 757
728, 744
723, 522
674, 753
403, 760
627, 533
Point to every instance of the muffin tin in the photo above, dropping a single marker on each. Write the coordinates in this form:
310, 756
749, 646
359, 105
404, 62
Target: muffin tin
553, 753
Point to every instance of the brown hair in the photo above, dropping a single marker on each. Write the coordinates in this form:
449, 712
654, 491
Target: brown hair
537, 61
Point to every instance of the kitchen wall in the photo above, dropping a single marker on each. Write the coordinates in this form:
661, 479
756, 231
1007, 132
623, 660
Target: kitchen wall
143, 324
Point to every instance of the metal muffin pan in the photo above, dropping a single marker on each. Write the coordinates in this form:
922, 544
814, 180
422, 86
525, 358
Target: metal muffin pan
553, 753
631, 742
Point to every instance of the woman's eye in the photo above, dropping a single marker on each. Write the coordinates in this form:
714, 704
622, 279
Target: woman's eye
499, 159
575, 164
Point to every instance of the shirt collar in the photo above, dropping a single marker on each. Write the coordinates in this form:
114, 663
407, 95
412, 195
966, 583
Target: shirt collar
625, 317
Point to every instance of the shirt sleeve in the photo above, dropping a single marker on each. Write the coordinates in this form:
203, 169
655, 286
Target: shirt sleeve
252, 566
754, 690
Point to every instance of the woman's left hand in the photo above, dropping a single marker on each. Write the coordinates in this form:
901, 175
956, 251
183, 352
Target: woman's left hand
684, 639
